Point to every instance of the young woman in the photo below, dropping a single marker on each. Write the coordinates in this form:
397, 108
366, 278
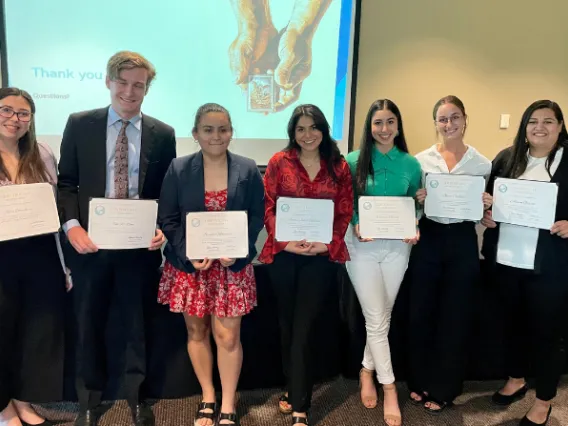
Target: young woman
531, 264
213, 295
301, 271
382, 167
444, 271
32, 281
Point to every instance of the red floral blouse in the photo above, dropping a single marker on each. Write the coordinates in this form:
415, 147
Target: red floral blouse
285, 176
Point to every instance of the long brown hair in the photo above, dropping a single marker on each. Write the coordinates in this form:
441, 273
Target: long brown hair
328, 148
518, 161
31, 168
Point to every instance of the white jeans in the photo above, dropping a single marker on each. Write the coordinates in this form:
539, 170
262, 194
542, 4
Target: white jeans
376, 271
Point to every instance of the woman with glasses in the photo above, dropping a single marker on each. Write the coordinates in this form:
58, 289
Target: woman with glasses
444, 271
32, 281
530, 263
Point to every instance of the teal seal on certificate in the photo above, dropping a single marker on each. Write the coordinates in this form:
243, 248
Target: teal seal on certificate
503, 188
285, 208
434, 184
100, 210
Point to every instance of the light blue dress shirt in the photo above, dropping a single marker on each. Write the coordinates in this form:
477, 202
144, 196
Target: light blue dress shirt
134, 135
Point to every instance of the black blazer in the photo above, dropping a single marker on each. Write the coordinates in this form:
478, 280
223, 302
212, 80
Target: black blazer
183, 192
82, 164
551, 250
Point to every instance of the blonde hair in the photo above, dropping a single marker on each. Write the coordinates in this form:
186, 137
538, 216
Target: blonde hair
126, 60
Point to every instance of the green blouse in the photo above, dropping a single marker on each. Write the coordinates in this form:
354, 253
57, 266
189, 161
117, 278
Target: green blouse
396, 174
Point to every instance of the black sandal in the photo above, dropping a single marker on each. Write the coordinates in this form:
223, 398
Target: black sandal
284, 398
298, 419
203, 415
232, 417
416, 402
442, 404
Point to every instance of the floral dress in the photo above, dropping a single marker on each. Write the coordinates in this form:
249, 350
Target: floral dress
217, 291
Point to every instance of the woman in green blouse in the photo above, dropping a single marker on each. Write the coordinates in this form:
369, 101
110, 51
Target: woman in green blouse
382, 167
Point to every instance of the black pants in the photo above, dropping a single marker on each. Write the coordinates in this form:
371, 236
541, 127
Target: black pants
534, 312
32, 300
445, 271
121, 278
302, 285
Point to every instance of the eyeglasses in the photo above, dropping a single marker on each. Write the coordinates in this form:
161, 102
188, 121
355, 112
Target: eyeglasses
23, 116
446, 120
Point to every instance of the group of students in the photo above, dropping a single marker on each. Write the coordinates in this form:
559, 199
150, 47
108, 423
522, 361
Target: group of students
117, 152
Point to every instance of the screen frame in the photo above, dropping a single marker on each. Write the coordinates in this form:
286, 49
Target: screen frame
3, 47
354, 65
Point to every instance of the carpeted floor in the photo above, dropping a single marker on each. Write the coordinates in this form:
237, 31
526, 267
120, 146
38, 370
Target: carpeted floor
335, 404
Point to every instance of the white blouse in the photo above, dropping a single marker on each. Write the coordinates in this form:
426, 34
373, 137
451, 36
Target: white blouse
472, 163
517, 244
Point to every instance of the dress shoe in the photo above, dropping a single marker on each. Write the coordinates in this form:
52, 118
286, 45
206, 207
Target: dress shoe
44, 423
86, 418
142, 415
506, 400
526, 422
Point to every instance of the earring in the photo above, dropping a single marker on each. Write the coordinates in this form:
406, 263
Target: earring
195, 141
526, 141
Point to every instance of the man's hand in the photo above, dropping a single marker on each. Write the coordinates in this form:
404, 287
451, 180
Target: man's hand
158, 240
80, 240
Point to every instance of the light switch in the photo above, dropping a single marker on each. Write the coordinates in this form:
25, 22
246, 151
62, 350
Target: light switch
504, 123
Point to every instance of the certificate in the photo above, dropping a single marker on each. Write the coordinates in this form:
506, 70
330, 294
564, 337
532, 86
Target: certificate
391, 218
118, 224
454, 196
214, 235
525, 202
27, 210
307, 219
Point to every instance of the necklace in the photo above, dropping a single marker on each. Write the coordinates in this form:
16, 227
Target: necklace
311, 162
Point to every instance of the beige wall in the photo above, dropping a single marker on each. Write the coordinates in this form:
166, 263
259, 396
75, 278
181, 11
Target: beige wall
498, 56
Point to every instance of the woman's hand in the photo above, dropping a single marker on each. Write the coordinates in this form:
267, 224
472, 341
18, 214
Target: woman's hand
487, 219
414, 240
358, 235
318, 248
201, 265
226, 262
299, 247
421, 196
487, 201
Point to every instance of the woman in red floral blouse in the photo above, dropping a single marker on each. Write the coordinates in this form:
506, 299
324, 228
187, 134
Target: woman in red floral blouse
301, 272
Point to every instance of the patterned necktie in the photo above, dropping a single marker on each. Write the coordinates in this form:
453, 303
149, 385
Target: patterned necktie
121, 163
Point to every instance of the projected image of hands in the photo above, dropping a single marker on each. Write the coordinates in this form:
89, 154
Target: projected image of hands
272, 64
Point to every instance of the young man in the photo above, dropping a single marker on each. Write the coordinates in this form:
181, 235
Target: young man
112, 152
